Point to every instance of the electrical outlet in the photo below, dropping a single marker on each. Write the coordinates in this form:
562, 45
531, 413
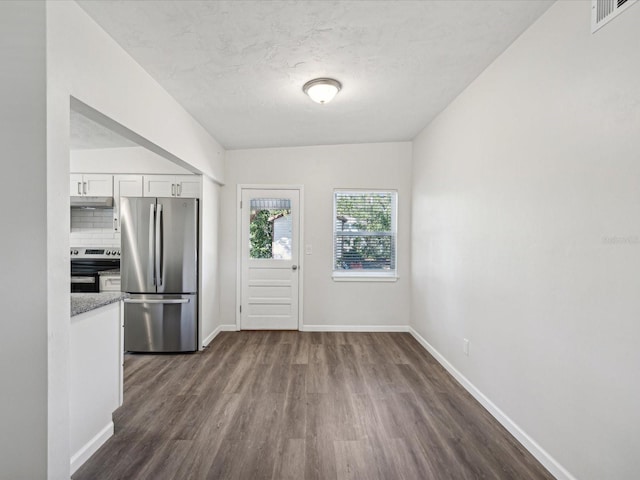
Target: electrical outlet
465, 346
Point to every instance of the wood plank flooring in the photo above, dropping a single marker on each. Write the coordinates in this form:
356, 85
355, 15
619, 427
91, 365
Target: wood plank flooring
303, 405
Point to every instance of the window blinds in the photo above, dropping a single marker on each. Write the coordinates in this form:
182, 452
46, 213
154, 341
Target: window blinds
364, 231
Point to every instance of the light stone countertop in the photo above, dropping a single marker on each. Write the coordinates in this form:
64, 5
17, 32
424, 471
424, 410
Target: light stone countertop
85, 302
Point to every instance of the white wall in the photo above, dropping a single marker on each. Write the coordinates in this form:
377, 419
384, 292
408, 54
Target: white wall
526, 238
100, 74
209, 263
123, 161
84, 62
23, 342
322, 169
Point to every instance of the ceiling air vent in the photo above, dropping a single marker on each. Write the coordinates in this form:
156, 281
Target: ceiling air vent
603, 11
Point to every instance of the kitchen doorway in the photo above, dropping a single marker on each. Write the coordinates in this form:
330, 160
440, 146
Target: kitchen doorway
269, 247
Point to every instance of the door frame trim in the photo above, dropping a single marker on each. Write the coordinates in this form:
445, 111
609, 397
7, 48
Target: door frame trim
254, 186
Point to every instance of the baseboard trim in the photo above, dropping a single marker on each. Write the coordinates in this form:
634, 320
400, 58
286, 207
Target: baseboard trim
90, 447
529, 443
355, 328
216, 331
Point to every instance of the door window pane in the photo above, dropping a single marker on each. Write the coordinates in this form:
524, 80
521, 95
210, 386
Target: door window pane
270, 228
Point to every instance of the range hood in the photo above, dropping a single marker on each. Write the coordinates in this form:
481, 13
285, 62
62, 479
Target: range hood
92, 202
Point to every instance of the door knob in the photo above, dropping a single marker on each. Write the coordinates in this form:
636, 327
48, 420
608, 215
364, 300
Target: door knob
294, 267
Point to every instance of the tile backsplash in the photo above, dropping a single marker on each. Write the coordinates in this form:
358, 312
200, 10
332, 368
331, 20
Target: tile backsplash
93, 227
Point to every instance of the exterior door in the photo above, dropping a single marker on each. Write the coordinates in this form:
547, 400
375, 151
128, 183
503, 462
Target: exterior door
270, 229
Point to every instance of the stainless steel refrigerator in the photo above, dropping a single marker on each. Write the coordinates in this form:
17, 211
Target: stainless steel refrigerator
159, 269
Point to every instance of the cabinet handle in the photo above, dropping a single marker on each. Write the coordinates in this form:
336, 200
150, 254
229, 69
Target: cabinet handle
79, 191
173, 189
84, 187
179, 185
115, 224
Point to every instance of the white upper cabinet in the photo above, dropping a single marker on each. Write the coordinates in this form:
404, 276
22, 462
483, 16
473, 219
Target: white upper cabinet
76, 184
159, 186
187, 186
124, 186
91, 185
99, 185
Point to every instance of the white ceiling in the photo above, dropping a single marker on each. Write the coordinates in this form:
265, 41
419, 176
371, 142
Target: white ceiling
238, 66
85, 134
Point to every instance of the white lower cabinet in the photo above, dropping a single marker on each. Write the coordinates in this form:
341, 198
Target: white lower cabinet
95, 390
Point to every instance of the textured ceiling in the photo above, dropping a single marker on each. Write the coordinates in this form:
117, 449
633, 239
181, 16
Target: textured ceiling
86, 134
238, 66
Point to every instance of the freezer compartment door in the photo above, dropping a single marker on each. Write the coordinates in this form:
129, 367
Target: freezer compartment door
137, 265
161, 323
177, 247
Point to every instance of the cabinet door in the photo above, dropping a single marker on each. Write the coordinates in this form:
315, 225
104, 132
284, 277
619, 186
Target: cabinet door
188, 186
159, 186
75, 185
124, 186
98, 185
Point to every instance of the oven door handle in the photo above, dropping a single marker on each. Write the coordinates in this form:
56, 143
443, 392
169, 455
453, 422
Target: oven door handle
83, 280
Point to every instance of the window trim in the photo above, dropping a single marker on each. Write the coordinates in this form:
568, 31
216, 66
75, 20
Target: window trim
372, 275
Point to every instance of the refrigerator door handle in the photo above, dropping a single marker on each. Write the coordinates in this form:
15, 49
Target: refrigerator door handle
152, 252
159, 246
168, 301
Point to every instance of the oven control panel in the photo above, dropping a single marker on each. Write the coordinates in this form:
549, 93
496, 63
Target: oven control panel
95, 252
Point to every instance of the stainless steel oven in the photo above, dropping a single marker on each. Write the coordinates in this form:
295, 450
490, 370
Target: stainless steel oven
88, 262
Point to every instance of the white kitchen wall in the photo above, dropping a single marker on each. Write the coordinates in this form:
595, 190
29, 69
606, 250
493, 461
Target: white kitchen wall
93, 227
23, 281
321, 169
210, 320
526, 239
83, 61
123, 160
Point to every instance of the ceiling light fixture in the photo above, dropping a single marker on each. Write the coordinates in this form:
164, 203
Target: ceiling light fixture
322, 90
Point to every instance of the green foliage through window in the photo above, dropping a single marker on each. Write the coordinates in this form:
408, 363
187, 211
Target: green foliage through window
261, 231
364, 235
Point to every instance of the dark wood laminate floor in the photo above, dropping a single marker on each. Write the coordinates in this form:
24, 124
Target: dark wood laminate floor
293, 405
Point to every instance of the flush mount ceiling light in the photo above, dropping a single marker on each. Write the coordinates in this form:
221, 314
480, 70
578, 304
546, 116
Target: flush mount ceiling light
322, 90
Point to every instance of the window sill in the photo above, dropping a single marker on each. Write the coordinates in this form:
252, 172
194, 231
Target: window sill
363, 277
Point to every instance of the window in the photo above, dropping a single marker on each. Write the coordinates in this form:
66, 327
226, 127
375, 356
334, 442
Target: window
270, 228
364, 235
